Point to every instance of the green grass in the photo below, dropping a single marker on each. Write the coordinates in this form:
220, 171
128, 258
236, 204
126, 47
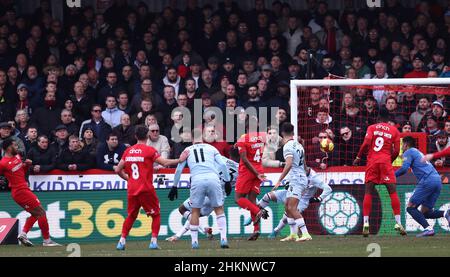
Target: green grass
320, 246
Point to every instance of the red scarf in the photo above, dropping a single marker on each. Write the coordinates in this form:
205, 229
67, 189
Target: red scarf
331, 41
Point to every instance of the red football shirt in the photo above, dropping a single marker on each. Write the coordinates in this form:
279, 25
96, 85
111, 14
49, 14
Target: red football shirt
15, 171
139, 161
253, 144
381, 138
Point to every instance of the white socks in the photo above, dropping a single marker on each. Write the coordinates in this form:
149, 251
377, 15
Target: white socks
222, 223
300, 223
194, 233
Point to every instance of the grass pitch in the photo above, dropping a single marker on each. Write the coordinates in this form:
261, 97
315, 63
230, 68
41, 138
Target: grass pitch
320, 246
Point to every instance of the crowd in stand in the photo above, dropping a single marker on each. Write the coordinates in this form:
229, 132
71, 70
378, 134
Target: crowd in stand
72, 92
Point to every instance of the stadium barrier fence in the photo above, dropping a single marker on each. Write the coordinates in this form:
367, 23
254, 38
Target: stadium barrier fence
91, 206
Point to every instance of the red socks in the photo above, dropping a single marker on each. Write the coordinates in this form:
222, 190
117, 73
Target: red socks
43, 224
156, 224
127, 224
367, 204
395, 203
246, 204
29, 224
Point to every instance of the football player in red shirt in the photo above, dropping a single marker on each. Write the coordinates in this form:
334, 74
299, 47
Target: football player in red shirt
136, 166
383, 143
12, 167
251, 174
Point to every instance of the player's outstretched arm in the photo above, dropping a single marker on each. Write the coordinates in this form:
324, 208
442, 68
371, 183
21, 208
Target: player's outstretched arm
169, 162
437, 155
119, 170
286, 169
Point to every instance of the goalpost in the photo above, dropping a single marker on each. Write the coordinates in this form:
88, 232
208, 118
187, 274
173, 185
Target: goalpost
343, 108
354, 82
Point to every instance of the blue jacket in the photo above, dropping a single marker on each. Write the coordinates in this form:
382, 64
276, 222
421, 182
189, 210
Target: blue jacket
106, 159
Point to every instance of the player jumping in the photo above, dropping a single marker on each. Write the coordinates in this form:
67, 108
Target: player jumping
185, 208
279, 196
248, 184
12, 167
205, 163
136, 167
427, 190
294, 169
383, 141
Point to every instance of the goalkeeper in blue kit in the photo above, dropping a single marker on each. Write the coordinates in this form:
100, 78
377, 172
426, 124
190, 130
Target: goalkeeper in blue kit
428, 188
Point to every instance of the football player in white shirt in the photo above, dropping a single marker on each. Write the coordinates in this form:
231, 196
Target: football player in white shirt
294, 170
205, 164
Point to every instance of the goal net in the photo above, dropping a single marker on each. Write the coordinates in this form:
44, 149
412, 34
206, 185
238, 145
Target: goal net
341, 110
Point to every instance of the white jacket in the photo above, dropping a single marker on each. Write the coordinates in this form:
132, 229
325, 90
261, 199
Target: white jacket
293, 40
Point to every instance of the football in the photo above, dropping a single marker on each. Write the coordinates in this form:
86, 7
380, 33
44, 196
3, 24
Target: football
326, 145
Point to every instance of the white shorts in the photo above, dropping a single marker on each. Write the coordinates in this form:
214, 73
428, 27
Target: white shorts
204, 211
206, 185
297, 187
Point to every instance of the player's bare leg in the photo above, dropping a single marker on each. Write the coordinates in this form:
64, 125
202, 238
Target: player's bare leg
222, 223
395, 204
295, 221
37, 214
187, 215
367, 207
195, 219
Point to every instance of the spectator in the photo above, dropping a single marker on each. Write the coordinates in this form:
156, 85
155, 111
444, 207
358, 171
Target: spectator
211, 137
46, 118
293, 35
408, 103
175, 128
61, 142
125, 131
395, 113
179, 146
169, 102
97, 124
89, 142
23, 101
30, 139
173, 79
362, 70
442, 142
76, 158
22, 121
81, 103
123, 102
273, 145
110, 153
159, 142
5, 132
43, 156
112, 114
346, 147
146, 93
422, 109
112, 88
67, 120
316, 158
418, 65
